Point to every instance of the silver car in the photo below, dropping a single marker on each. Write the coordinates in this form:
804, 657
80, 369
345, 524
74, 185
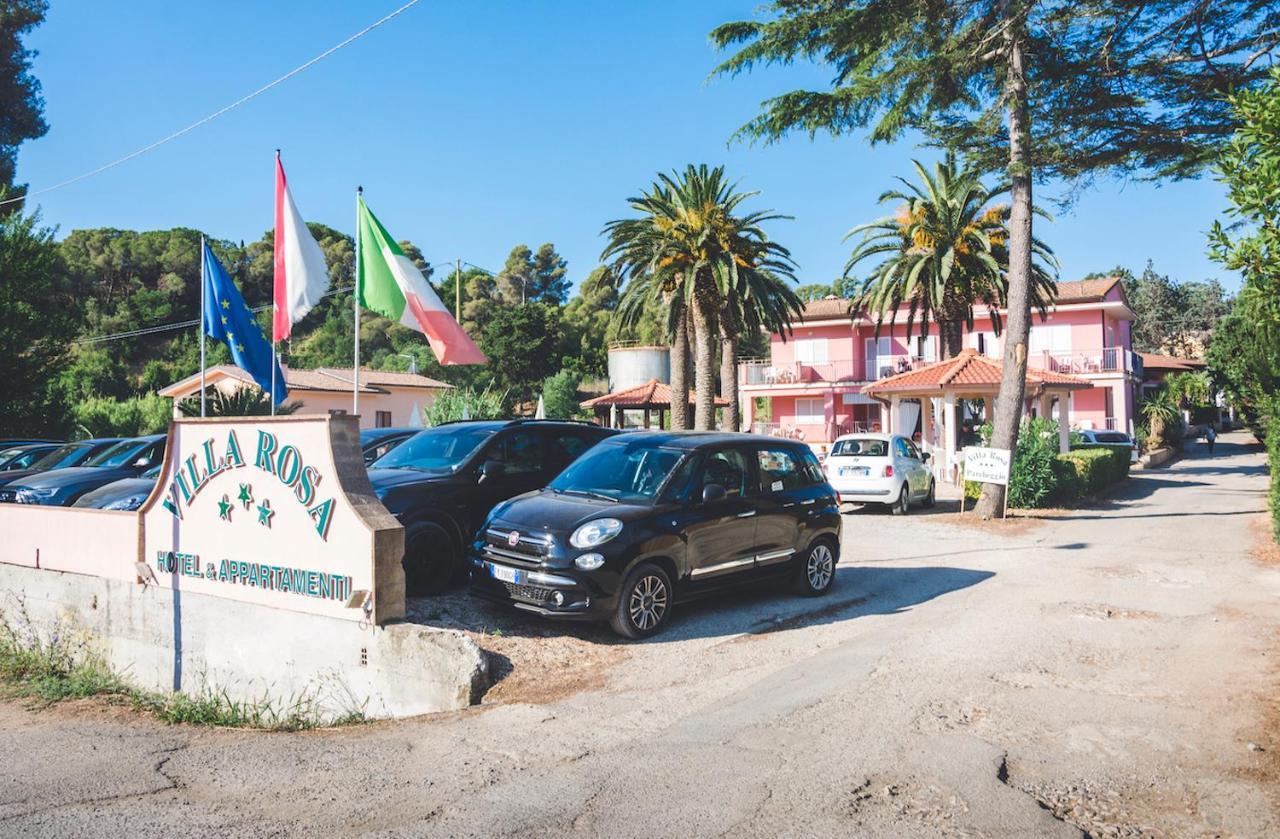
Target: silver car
883, 469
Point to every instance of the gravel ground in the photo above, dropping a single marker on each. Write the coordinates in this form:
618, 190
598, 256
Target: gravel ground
1108, 671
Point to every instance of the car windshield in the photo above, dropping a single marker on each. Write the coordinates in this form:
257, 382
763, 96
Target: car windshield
619, 472
9, 454
436, 449
117, 455
1110, 437
62, 456
865, 448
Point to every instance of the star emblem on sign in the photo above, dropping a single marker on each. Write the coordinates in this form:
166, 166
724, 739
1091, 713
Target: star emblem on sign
246, 495
265, 512
224, 508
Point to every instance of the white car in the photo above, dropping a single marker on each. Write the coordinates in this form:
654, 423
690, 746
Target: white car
1111, 438
880, 469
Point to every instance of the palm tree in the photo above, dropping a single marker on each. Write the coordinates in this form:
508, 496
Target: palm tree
763, 300
242, 402
689, 245
946, 251
1160, 409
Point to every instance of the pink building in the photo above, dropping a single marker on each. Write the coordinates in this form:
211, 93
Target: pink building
815, 380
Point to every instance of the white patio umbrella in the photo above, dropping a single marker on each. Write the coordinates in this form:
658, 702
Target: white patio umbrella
466, 412
613, 416
415, 416
541, 412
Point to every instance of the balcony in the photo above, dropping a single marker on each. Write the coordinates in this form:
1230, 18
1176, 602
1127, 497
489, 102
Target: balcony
762, 371
1083, 362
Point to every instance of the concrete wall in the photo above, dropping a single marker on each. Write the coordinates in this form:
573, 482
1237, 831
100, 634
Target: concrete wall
104, 543
174, 640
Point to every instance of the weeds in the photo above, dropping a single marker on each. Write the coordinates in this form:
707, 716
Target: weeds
61, 663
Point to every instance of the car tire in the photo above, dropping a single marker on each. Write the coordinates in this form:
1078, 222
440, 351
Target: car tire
932, 497
644, 602
816, 571
430, 560
903, 505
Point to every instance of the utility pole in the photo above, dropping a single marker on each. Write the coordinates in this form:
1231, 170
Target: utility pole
457, 291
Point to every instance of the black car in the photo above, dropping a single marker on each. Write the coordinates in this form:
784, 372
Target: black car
375, 442
24, 455
68, 454
63, 487
647, 519
442, 481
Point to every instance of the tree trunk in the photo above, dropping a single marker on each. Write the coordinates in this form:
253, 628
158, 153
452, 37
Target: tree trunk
704, 374
951, 336
680, 376
1013, 378
729, 379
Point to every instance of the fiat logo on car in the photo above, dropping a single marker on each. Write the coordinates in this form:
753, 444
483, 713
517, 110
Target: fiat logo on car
513, 538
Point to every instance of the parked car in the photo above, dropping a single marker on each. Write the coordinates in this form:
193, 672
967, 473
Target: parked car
442, 481
375, 442
1111, 438
880, 469
24, 455
68, 454
649, 519
63, 487
124, 494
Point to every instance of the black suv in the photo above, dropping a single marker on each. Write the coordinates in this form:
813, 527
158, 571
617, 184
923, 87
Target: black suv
650, 518
441, 482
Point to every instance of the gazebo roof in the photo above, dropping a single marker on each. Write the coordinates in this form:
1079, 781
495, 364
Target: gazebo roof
967, 372
651, 394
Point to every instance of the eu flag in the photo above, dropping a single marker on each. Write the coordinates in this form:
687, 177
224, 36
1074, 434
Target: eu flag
228, 319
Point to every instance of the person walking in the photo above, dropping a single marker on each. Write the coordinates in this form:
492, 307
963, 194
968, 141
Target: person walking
1210, 437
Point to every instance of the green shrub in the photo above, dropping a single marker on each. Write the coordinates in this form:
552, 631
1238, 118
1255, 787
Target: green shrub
1040, 476
466, 403
1272, 439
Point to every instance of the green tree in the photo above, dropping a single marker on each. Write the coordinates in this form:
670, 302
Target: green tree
1042, 88
814, 291
560, 395
945, 252
35, 323
241, 402
132, 417
586, 321
523, 343
533, 277
21, 105
690, 250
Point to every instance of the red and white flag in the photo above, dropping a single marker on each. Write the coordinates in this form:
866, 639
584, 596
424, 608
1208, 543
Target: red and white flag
301, 276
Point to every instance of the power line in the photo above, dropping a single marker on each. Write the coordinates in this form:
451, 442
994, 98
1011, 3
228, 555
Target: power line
211, 117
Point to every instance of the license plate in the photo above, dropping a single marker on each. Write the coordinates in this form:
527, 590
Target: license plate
505, 574
854, 471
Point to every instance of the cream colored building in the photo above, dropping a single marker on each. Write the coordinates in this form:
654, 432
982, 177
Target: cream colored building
387, 398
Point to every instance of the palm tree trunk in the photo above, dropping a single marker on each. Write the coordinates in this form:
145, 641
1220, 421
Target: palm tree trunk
680, 375
1013, 379
704, 373
729, 378
952, 338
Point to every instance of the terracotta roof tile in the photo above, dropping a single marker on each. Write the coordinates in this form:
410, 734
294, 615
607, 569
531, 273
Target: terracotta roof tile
1085, 291
652, 393
966, 370
1171, 362
827, 307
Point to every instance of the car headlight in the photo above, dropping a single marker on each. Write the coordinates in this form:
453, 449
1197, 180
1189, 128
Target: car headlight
595, 532
34, 496
133, 502
589, 562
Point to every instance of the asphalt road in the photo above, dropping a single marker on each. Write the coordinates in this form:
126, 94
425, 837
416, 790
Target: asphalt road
1100, 671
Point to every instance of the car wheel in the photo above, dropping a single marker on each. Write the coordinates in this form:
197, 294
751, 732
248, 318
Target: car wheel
904, 501
817, 571
932, 497
644, 602
430, 560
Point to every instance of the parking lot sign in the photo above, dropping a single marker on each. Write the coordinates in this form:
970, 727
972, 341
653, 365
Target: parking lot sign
986, 466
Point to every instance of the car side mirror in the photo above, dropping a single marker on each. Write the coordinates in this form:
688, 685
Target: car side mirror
141, 463
712, 493
492, 469
924, 457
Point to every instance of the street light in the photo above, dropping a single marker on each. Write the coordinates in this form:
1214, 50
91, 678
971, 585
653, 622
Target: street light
413, 361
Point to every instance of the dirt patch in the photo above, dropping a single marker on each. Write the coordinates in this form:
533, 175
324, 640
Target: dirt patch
1019, 522
531, 660
1265, 550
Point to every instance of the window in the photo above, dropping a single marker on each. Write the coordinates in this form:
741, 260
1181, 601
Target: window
811, 350
518, 451
1051, 338
566, 446
810, 411
926, 348
912, 451
779, 470
812, 468
382, 419
864, 446
729, 469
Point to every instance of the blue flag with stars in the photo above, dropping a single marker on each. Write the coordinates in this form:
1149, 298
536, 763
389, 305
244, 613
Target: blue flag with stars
228, 319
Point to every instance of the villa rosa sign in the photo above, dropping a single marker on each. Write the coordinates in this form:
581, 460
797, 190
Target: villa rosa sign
273, 511
986, 466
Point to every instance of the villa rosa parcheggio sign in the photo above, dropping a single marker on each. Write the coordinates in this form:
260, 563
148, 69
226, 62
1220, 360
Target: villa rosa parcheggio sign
253, 510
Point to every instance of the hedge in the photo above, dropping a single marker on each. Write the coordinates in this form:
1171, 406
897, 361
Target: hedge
1273, 454
1065, 478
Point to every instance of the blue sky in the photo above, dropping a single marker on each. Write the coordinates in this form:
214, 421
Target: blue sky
476, 126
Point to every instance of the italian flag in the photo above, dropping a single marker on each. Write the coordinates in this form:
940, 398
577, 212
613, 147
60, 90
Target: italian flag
301, 276
391, 285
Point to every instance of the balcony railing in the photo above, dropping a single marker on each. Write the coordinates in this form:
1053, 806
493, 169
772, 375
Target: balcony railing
1076, 362
814, 430
762, 371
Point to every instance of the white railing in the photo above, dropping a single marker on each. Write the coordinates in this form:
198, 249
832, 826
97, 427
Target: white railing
807, 430
1111, 424
1077, 362
760, 371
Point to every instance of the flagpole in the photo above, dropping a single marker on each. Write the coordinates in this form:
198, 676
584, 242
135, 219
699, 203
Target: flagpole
202, 315
275, 360
355, 368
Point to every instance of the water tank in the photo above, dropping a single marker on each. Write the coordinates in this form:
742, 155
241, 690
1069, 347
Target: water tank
631, 365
